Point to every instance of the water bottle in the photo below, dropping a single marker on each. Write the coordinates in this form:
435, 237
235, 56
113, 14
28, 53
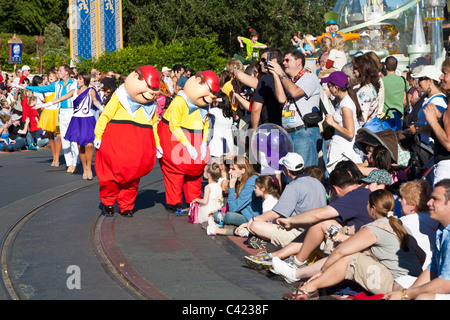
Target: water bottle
220, 219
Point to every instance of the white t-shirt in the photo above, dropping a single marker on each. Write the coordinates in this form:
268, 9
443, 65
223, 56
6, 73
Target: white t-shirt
269, 203
423, 229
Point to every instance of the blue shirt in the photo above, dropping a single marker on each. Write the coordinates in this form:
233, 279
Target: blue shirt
247, 202
440, 261
59, 90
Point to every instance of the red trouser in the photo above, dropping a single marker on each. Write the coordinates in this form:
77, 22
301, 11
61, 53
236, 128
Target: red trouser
124, 193
126, 154
181, 173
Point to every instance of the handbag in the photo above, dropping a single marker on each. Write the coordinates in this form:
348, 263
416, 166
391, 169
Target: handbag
310, 119
193, 213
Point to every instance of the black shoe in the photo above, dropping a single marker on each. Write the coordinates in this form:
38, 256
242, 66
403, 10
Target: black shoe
257, 243
127, 213
171, 208
108, 211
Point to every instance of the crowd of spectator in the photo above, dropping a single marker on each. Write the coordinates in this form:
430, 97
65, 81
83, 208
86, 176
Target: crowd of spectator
330, 210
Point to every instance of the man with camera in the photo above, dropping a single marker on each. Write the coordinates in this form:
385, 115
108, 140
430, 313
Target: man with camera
265, 107
299, 91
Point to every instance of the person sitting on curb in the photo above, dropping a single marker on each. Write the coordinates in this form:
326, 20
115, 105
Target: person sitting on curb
434, 283
303, 193
352, 216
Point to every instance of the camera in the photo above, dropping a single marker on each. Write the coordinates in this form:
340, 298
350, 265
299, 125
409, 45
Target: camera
333, 231
267, 60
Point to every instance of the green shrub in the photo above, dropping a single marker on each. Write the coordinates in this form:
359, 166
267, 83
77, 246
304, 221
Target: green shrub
198, 54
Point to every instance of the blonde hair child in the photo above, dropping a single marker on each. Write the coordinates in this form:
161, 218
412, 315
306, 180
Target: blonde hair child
337, 58
212, 199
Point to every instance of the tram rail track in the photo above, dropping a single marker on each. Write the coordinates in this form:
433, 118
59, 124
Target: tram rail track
102, 238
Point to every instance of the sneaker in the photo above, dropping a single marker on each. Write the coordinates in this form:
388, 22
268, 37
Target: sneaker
288, 271
211, 230
262, 260
32, 147
257, 243
290, 260
244, 233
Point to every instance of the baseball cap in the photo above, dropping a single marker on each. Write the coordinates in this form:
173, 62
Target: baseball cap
164, 69
25, 67
337, 78
16, 117
291, 160
420, 61
379, 176
430, 72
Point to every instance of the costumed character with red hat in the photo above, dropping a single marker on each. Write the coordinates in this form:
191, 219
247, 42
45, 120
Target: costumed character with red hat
331, 21
127, 140
183, 132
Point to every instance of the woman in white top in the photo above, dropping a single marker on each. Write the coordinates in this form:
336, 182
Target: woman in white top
345, 121
366, 71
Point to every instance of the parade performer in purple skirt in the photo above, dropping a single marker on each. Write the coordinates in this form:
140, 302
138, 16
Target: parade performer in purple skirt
81, 127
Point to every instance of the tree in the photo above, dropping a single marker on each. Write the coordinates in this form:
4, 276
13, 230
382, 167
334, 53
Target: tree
31, 16
172, 20
55, 45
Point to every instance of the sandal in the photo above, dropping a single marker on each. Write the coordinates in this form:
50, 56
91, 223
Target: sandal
300, 294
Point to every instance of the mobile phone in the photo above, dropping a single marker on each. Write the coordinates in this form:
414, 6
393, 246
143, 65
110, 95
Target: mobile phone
267, 60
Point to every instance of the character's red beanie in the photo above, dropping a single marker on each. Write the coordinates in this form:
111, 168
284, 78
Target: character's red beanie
212, 80
151, 75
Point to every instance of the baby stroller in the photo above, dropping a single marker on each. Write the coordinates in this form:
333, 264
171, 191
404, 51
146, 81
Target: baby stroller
408, 154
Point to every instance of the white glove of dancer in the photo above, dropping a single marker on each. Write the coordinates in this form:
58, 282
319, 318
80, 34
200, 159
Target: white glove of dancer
18, 86
192, 152
203, 150
97, 144
159, 152
45, 105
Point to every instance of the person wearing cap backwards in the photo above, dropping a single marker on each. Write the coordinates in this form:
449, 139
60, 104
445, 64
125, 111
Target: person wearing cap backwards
303, 193
25, 74
126, 140
183, 131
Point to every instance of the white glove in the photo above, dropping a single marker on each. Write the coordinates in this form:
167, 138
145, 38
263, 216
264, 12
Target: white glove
203, 150
17, 86
47, 104
159, 152
97, 144
192, 152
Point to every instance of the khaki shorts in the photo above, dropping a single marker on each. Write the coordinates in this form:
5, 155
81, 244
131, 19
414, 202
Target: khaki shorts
282, 237
369, 274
